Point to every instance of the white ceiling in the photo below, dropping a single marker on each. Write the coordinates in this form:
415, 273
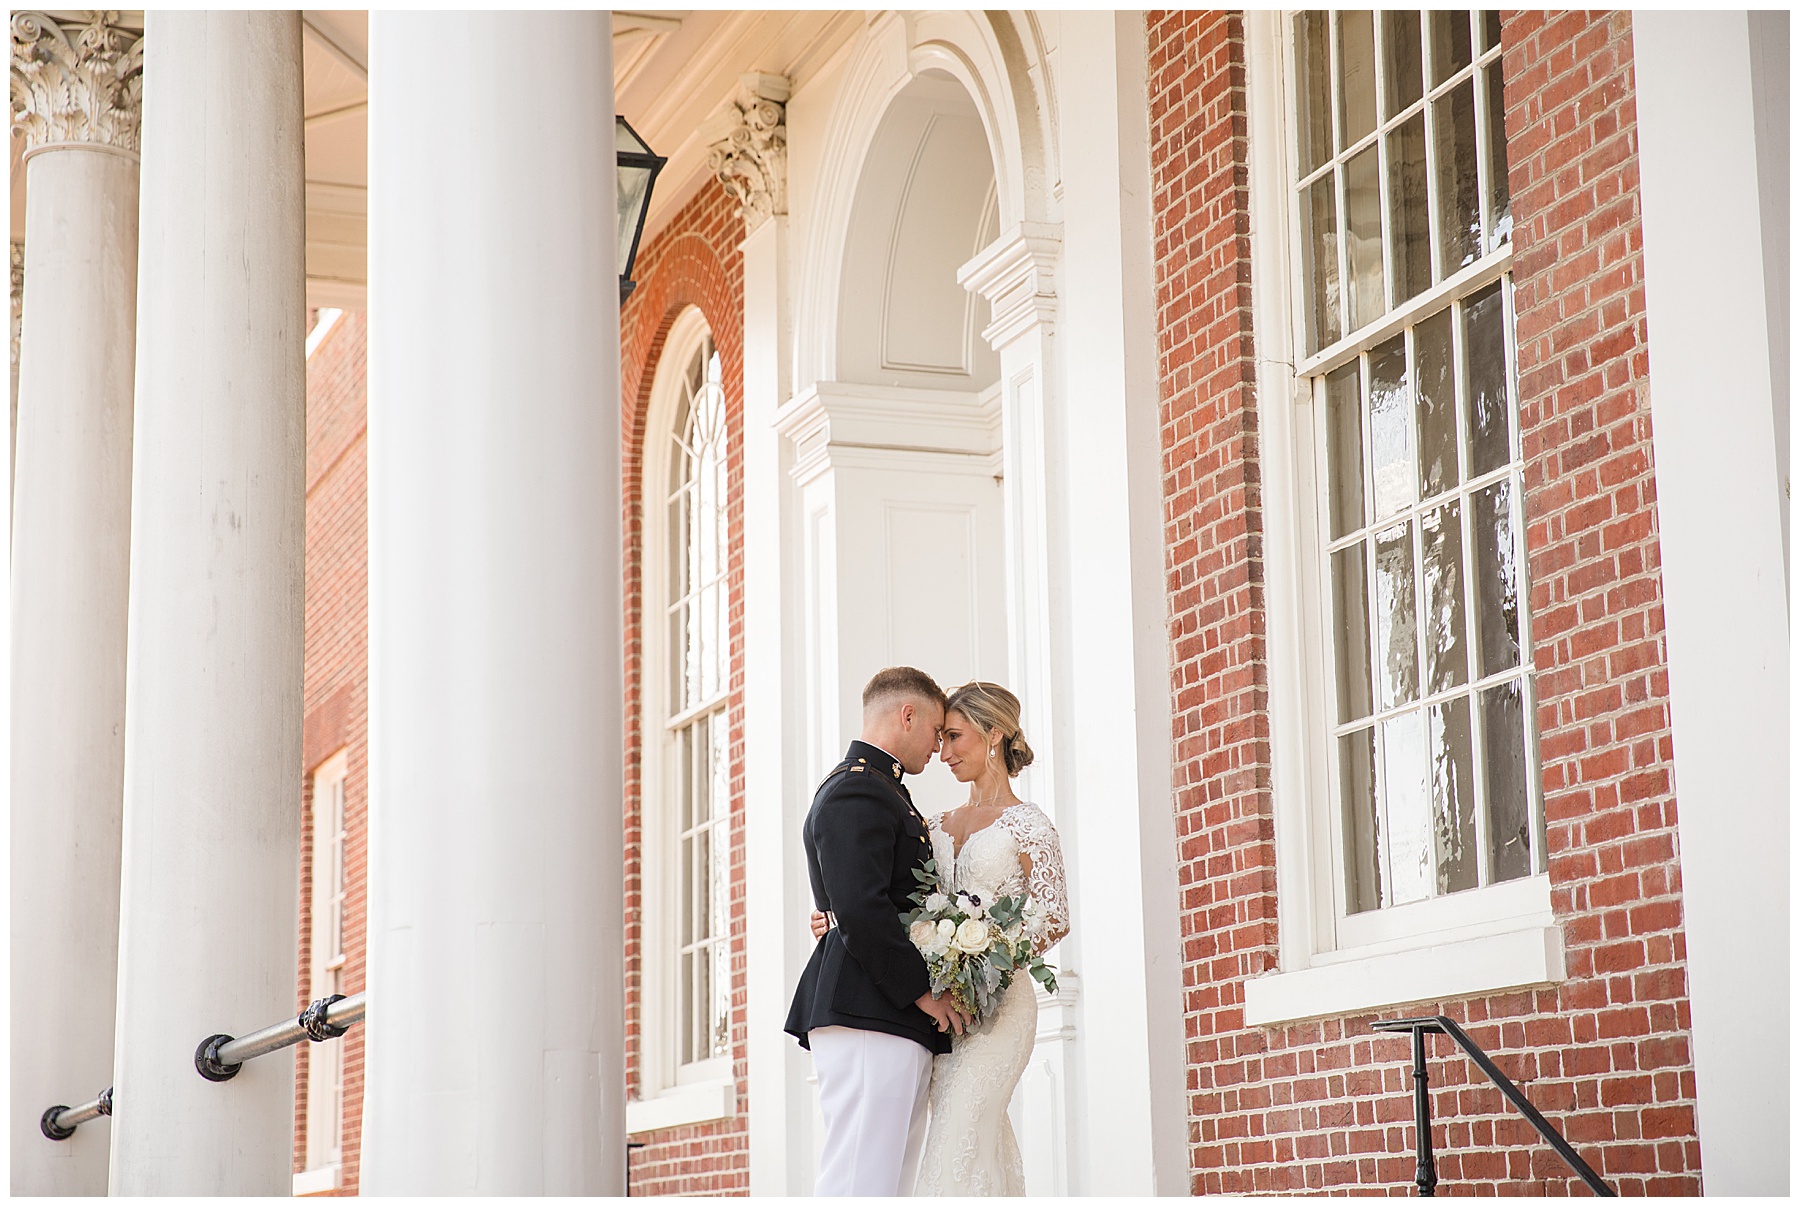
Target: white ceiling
674, 70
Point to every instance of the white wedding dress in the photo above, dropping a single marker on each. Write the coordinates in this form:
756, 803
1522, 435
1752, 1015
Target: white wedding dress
969, 1145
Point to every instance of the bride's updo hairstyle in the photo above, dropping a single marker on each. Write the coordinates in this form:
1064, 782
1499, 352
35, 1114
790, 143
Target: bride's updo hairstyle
992, 707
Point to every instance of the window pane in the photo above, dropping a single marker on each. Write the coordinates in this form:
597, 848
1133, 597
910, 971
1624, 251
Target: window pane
1362, 202
1356, 74
1496, 578
1449, 44
1343, 406
1446, 658
1390, 428
1484, 351
1407, 804
1508, 800
678, 546
1319, 213
1453, 797
677, 655
720, 732
1499, 191
1400, 56
702, 872
1409, 208
1312, 82
1458, 208
1396, 633
1361, 822
685, 935
1490, 28
702, 997
1437, 405
1350, 592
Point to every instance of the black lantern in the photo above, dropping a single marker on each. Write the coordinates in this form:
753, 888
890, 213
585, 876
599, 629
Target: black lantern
638, 166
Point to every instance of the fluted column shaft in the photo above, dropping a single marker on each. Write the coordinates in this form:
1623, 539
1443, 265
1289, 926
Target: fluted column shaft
495, 1047
74, 97
212, 780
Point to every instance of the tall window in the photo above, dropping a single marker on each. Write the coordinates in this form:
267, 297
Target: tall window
694, 764
1405, 334
325, 1062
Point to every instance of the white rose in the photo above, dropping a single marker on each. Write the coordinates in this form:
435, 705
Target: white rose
936, 903
922, 933
972, 937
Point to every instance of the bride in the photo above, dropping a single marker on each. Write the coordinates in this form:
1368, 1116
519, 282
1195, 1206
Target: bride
994, 845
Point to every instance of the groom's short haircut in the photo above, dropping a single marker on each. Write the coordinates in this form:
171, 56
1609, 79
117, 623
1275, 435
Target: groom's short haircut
903, 681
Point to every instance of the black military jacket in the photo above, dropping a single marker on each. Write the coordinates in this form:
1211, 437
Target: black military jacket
863, 839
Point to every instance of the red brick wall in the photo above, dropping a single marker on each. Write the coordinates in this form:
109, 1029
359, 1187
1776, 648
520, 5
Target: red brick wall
1325, 1105
337, 678
694, 261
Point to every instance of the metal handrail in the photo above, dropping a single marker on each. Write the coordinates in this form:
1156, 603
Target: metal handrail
60, 1122
220, 1057
1426, 1179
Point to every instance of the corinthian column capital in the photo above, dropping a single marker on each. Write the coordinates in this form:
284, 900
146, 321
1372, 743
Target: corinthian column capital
749, 148
76, 83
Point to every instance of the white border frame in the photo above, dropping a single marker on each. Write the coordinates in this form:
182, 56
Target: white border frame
706, 1089
1500, 937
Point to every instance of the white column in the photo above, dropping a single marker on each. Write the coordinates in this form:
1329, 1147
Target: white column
71, 551
1717, 403
496, 1046
212, 754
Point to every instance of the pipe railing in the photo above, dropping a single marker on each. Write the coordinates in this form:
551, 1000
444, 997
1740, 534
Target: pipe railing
1426, 1178
220, 1057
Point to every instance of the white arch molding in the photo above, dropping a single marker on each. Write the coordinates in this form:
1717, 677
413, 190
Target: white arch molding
1007, 78
879, 449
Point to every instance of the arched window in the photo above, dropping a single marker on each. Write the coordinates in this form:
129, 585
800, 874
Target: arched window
687, 665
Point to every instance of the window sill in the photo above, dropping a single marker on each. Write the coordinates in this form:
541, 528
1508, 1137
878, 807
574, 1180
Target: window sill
316, 1181
1512, 959
684, 1104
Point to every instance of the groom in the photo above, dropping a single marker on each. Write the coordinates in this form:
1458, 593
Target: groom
864, 1006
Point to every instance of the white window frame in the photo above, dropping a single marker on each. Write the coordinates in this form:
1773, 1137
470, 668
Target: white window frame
1482, 940
670, 1094
328, 877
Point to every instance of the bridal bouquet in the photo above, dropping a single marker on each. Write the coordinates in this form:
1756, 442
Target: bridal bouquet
973, 947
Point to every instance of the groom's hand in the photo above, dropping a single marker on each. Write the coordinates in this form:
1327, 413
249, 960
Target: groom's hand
944, 1013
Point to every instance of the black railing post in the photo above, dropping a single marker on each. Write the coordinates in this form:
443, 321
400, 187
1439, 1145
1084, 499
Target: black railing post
1427, 1175
1442, 1025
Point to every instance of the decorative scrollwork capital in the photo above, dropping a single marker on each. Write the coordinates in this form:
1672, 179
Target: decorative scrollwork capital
76, 83
750, 155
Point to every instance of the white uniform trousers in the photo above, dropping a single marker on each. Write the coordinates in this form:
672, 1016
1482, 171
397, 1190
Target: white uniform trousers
873, 1092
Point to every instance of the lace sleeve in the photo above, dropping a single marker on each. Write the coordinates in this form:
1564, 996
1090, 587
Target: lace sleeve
1037, 841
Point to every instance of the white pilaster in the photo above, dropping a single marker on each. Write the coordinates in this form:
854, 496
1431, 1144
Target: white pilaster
212, 758
776, 791
1110, 627
1016, 274
75, 97
495, 1047
1709, 250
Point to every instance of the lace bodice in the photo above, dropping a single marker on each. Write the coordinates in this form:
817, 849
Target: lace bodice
989, 863
970, 1148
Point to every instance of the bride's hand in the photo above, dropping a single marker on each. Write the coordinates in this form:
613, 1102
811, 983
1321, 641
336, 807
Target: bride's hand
819, 924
